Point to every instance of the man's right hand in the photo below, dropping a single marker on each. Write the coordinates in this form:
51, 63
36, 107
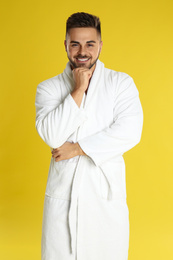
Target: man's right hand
81, 77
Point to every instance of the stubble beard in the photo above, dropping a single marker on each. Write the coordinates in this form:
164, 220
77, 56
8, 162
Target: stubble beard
74, 65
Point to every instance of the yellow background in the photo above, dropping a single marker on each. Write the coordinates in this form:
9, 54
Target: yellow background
138, 40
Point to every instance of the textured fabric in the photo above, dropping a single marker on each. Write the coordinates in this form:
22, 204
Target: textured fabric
85, 211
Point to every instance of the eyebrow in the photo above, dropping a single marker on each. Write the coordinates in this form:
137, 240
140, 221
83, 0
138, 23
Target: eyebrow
91, 42
79, 42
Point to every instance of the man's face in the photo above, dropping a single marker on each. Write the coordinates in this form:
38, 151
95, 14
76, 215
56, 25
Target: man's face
83, 46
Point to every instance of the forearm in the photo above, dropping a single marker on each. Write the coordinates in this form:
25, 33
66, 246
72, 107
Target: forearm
111, 142
57, 120
77, 95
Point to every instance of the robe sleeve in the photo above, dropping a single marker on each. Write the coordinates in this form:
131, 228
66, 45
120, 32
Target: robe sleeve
56, 118
125, 131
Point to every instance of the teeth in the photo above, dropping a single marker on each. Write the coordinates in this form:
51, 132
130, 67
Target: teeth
83, 59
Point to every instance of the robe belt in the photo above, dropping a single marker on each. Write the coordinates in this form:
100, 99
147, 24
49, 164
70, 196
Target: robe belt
72, 217
73, 211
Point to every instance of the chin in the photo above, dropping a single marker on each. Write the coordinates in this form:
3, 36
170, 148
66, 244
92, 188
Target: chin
83, 66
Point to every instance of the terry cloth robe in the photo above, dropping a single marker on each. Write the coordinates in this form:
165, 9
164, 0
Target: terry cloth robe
85, 214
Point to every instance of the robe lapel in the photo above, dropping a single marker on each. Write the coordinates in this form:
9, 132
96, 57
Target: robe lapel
95, 82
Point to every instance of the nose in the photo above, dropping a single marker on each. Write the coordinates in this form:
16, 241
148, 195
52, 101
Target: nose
82, 51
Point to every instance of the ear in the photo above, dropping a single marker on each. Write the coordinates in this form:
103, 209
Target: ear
101, 44
65, 44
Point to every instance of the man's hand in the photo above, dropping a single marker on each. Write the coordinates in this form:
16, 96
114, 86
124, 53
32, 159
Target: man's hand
81, 77
66, 151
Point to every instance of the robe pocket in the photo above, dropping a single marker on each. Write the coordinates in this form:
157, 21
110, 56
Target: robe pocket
112, 180
60, 179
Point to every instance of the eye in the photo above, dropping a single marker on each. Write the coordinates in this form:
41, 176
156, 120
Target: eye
90, 45
74, 45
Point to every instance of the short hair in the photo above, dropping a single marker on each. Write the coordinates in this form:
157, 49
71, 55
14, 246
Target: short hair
81, 19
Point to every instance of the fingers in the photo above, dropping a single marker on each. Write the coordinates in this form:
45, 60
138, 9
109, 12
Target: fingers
56, 156
55, 153
81, 70
81, 77
66, 151
82, 73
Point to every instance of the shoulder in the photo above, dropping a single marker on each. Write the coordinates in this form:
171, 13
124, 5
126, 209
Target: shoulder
120, 81
51, 82
117, 76
49, 86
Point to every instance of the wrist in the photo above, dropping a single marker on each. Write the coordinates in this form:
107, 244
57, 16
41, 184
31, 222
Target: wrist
80, 87
77, 95
78, 149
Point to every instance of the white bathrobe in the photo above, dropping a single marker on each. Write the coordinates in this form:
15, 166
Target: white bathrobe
85, 212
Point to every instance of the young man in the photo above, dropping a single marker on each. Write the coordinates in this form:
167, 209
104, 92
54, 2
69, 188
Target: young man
89, 115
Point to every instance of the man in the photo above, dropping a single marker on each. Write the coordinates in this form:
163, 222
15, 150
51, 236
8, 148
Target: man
89, 115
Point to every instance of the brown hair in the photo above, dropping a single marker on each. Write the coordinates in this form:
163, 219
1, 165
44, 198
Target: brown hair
82, 19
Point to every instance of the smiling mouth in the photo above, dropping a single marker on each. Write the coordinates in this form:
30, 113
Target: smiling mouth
82, 59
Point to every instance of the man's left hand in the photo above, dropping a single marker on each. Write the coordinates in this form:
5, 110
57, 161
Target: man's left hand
66, 151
